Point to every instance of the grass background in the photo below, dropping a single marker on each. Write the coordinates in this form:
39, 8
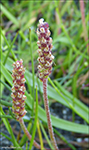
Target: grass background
69, 81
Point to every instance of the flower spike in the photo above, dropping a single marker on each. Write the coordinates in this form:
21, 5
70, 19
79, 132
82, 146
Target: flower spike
18, 89
19, 98
45, 60
45, 46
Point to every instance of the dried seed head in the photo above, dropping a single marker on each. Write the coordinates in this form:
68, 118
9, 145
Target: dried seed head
18, 89
45, 46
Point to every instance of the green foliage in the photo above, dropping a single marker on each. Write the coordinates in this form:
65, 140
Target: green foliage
70, 66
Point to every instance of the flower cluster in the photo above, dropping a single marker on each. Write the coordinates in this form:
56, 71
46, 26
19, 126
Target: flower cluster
18, 89
45, 46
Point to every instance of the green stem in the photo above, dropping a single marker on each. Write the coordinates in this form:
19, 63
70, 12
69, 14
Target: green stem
28, 134
32, 61
48, 114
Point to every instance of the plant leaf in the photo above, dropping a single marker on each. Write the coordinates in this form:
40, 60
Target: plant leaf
56, 122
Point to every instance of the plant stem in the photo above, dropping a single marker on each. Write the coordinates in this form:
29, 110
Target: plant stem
28, 134
48, 114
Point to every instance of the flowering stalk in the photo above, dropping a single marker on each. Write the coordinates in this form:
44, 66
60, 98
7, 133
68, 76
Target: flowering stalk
45, 67
19, 98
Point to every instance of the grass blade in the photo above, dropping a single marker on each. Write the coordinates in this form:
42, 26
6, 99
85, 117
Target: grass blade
57, 122
40, 135
42, 128
35, 122
9, 15
7, 125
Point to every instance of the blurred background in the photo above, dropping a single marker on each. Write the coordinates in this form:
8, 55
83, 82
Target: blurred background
69, 26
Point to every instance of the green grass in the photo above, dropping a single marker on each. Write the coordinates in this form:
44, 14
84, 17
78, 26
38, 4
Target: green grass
69, 68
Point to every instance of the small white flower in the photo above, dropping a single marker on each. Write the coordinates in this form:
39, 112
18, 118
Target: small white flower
18, 77
38, 33
22, 105
48, 33
51, 46
17, 117
23, 70
46, 72
21, 60
24, 97
40, 52
12, 95
52, 57
19, 95
20, 69
43, 40
49, 55
38, 59
23, 112
42, 30
48, 64
13, 89
17, 103
17, 64
42, 59
40, 75
23, 80
22, 88
17, 110
41, 21
50, 40
38, 43
15, 84
40, 67
46, 49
